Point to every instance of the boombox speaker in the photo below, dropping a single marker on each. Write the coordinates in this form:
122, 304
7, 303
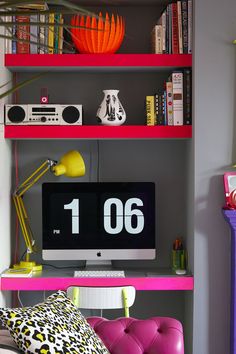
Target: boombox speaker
39, 114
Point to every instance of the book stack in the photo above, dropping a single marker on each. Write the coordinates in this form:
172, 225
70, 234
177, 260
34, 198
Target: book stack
27, 38
173, 32
172, 105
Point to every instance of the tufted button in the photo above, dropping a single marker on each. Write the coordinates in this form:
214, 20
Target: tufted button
126, 330
159, 330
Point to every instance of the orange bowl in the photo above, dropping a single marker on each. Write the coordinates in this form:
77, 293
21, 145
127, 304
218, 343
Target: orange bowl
97, 35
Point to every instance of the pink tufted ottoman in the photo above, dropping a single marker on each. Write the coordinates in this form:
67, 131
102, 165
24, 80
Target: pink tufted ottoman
156, 335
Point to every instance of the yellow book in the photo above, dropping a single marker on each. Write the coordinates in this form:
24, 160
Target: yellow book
150, 110
17, 273
51, 34
60, 44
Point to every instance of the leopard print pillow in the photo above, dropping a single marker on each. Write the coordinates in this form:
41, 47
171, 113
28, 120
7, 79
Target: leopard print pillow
55, 326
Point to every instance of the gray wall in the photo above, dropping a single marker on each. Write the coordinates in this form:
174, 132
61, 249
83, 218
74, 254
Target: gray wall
162, 162
214, 106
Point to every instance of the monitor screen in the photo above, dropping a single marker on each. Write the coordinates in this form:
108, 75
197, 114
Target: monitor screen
106, 220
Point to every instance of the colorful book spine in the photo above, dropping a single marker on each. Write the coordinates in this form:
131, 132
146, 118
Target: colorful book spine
177, 81
14, 34
60, 44
161, 110
189, 26
150, 110
164, 107
167, 31
46, 34
56, 33
33, 34
174, 29
169, 102
162, 22
8, 33
41, 48
51, 34
157, 39
156, 108
180, 31
23, 32
187, 96
169, 9
184, 6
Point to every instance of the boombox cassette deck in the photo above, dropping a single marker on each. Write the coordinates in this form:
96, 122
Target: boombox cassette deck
40, 114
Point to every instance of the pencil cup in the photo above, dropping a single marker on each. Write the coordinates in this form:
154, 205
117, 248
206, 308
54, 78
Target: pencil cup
178, 259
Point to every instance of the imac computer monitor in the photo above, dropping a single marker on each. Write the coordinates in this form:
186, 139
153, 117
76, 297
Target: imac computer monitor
98, 221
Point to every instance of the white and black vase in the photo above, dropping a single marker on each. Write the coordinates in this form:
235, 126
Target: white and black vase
111, 111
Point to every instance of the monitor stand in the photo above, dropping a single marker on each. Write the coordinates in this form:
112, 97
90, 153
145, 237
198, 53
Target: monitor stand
99, 269
99, 265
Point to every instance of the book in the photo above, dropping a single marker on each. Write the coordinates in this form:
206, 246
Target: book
169, 30
39, 5
189, 26
177, 82
150, 110
156, 107
184, 7
13, 43
162, 22
180, 30
41, 39
161, 109
169, 102
157, 39
51, 34
46, 34
17, 273
33, 34
187, 97
174, 29
23, 32
60, 42
57, 19
8, 32
164, 106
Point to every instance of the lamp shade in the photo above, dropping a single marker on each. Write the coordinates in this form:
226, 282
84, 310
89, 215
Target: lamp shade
71, 165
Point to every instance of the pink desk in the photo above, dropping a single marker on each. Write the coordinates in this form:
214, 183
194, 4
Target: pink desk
55, 280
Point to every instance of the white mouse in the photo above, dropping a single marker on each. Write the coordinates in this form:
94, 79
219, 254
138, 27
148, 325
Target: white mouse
180, 271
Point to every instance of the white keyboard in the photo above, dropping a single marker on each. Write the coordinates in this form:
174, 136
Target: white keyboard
99, 274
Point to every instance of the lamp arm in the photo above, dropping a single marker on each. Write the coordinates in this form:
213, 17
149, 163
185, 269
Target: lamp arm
31, 180
24, 223
20, 208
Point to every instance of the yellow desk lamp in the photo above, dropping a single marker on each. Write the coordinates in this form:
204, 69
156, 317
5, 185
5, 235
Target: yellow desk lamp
71, 165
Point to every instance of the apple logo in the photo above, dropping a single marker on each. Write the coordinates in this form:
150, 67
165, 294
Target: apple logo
99, 254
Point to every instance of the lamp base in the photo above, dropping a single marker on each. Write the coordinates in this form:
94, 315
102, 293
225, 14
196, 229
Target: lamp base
28, 265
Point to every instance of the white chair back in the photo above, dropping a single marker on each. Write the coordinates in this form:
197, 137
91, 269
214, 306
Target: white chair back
102, 297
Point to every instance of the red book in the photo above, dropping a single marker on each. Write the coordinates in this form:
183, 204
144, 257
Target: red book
23, 32
175, 34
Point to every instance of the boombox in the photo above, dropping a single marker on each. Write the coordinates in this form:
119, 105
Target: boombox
40, 114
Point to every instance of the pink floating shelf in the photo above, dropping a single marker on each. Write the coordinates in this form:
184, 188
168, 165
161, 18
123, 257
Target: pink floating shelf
97, 132
143, 283
22, 62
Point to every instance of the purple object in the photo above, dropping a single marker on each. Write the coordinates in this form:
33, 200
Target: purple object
230, 216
